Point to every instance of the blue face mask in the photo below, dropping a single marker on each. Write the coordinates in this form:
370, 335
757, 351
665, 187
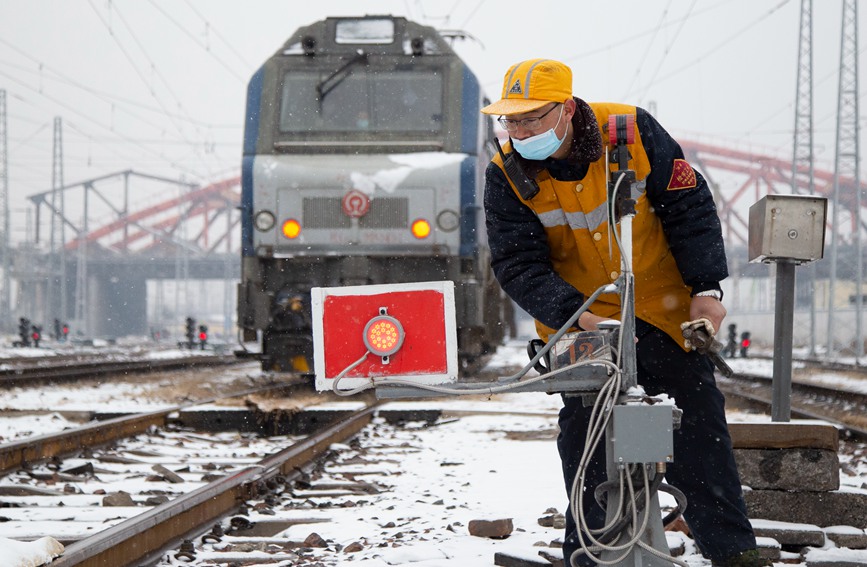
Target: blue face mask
540, 146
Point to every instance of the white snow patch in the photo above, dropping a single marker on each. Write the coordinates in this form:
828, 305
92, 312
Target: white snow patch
30, 553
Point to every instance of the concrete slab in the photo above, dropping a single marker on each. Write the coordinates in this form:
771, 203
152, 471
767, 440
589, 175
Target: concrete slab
847, 536
789, 533
805, 469
822, 509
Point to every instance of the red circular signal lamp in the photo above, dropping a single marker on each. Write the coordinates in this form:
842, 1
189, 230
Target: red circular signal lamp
420, 228
383, 335
291, 228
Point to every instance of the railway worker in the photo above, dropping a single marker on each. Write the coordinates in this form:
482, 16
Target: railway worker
551, 250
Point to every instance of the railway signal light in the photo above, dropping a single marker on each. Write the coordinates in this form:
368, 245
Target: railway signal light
745, 343
190, 332
24, 331
731, 345
203, 336
383, 335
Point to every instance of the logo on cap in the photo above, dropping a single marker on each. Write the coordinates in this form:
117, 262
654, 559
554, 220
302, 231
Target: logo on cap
516, 88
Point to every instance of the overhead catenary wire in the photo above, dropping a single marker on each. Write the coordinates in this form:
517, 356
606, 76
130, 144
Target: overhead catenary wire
667, 49
115, 135
222, 38
107, 127
703, 57
110, 98
645, 53
197, 42
144, 80
62, 103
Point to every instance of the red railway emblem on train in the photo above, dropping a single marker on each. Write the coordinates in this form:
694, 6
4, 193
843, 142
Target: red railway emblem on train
355, 204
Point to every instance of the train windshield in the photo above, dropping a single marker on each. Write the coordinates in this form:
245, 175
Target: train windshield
364, 100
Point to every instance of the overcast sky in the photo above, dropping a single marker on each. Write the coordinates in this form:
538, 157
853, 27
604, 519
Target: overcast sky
158, 86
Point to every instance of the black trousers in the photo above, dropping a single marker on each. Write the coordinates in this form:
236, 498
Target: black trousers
703, 469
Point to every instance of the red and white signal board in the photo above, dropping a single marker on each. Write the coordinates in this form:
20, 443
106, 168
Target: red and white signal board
408, 331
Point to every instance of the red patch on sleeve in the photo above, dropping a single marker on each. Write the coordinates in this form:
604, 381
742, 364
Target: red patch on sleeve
682, 176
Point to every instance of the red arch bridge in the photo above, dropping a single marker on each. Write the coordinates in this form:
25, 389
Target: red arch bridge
112, 234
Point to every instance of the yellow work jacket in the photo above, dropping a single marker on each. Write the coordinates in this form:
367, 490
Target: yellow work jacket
575, 218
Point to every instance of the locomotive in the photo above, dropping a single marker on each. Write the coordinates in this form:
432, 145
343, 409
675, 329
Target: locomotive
363, 163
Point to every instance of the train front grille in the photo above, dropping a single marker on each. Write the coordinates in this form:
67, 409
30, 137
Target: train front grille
327, 213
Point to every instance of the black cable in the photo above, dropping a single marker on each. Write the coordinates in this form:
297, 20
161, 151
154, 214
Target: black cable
679, 497
612, 533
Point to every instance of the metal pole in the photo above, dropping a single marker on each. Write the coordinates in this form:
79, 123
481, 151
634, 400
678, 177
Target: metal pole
781, 404
5, 294
802, 162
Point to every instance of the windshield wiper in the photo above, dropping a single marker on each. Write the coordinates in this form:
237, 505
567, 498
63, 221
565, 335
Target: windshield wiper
331, 82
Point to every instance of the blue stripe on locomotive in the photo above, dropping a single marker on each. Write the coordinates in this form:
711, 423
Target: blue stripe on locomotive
251, 135
469, 145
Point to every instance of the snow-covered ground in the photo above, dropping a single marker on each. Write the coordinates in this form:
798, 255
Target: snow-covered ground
490, 458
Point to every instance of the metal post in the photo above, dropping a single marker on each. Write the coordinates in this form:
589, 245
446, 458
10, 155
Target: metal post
627, 319
781, 403
5, 293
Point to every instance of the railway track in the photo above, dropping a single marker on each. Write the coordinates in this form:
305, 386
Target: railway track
368, 498
121, 492
29, 372
840, 399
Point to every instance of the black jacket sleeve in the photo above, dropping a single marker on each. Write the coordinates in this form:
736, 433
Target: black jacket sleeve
689, 217
520, 256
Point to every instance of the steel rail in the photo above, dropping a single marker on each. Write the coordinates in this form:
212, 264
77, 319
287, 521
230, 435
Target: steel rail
42, 447
145, 537
818, 363
735, 389
35, 374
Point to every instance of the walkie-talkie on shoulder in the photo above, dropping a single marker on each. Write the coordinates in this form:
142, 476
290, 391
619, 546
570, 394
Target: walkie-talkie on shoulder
527, 188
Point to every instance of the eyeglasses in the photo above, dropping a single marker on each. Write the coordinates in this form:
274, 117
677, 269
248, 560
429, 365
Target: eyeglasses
526, 123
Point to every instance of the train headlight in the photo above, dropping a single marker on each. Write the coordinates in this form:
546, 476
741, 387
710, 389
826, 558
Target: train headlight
420, 228
291, 228
264, 221
448, 220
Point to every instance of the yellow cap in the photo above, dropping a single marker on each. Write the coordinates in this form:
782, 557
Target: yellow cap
532, 84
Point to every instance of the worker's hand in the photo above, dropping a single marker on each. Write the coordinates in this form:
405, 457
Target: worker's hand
590, 322
709, 308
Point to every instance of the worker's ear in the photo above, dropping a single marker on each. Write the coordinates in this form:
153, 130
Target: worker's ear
569, 108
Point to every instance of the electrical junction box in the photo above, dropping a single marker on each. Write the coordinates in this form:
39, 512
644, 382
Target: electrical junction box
643, 433
787, 227
408, 332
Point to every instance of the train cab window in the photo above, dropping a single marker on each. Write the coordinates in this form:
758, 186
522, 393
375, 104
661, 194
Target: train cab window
365, 31
364, 101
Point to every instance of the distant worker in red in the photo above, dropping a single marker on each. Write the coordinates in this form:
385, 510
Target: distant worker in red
550, 250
